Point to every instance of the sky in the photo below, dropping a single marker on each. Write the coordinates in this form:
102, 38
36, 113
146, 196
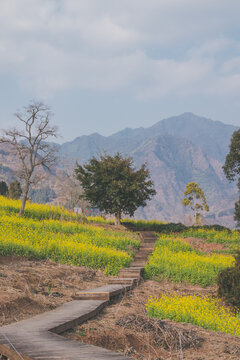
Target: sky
105, 65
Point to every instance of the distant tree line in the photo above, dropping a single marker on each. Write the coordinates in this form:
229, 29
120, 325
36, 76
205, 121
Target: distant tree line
13, 191
231, 168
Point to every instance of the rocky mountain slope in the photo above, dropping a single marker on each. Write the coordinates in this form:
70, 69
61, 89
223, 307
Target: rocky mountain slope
177, 150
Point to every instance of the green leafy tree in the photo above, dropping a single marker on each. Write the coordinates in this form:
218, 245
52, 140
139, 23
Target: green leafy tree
15, 190
194, 198
113, 185
3, 188
231, 168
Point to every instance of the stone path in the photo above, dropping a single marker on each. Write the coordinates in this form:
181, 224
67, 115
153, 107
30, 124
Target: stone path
39, 337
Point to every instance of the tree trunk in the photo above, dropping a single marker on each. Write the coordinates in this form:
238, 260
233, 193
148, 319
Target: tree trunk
24, 198
118, 218
197, 218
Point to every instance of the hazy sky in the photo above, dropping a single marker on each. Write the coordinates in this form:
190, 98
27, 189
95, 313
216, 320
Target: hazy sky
103, 65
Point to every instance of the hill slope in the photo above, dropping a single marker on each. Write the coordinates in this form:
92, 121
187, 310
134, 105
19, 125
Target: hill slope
177, 150
212, 136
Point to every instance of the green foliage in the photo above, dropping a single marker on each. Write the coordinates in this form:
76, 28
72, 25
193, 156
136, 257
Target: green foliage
229, 284
237, 210
231, 168
154, 225
195, 199
178, 261
112, 184
3, 188
216, 227
15, 190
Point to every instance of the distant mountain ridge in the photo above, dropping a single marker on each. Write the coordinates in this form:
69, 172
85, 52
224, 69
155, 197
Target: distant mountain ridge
177, 150
212, 136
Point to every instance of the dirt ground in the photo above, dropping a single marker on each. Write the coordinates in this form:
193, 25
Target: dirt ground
124, 327
31, 287
208, 248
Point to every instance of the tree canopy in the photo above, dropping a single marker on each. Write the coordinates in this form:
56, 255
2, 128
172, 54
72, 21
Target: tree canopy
3, 188
195, 199
231, 167
15, 190
114, 185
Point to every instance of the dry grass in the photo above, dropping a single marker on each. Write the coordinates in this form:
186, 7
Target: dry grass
125, 327
31, 287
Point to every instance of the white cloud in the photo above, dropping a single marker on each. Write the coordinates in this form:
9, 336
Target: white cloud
112, 45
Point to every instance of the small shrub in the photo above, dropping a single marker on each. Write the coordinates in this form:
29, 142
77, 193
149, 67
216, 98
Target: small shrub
154, 225
229, 283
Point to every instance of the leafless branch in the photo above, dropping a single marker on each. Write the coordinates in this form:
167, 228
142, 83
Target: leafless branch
29, 143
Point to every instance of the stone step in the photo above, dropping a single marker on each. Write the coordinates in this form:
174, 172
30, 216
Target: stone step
138, 263
141, 257
91, 296
147, 234
142, 254
146, 246
140, 268
135, 271
149, 237
148, 242
129, 281
128, 275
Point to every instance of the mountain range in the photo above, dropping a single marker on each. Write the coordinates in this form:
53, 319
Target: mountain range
177, 150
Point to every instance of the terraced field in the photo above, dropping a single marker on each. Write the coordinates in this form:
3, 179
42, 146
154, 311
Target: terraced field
181, 258
179, 287
177, 260
63, 241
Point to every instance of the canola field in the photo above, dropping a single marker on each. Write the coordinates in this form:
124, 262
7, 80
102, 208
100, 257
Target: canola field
60, 240
229, 238
178, 261
43, 212
204, 312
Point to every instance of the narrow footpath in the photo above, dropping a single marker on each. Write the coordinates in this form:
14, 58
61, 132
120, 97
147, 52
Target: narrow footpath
40, 336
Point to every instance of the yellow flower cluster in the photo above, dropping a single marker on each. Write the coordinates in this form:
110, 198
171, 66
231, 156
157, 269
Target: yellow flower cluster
204, 312
174, 259
66, 242
36, 211
43, 211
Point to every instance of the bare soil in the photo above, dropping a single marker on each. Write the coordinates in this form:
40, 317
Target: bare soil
125, 327
201, 245
30, 287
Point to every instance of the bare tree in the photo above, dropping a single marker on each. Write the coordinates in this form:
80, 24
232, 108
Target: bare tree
29, 145
68, 189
